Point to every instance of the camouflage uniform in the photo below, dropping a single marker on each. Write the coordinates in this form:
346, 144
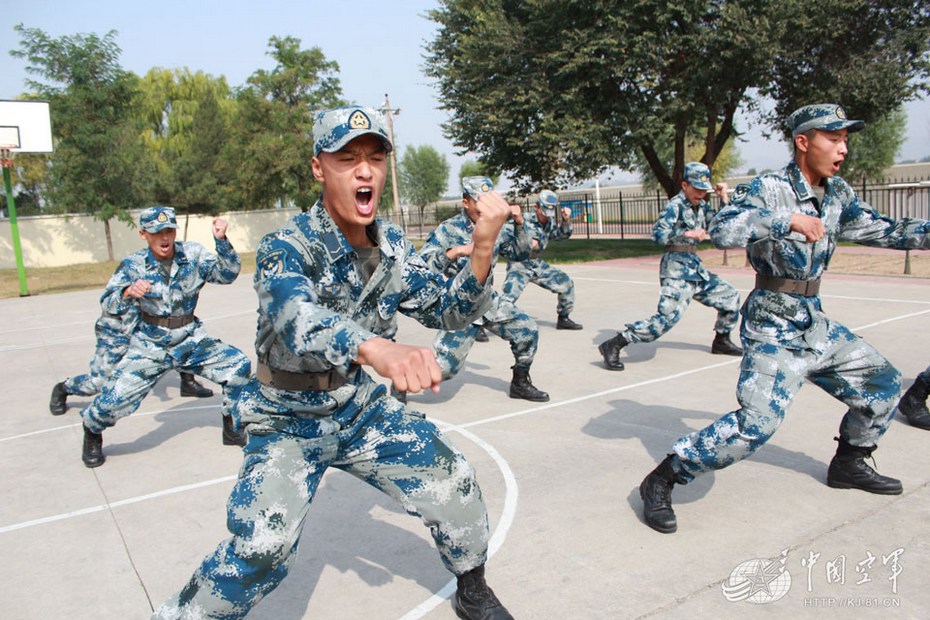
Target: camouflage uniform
315, 310
787, 338
154, 350
683, 277
112, 332
535, 269
503, 318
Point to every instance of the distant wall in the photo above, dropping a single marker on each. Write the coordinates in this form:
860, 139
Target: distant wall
57, 241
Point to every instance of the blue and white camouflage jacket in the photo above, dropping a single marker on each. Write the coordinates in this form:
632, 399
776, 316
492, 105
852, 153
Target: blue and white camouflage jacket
759, 219
513, 243
681, 216
192, 267
315, 308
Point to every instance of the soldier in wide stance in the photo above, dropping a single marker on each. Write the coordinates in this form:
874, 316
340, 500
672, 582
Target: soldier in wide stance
330, 284
447, 250
162, 284
790, 223
544, 228
681, 273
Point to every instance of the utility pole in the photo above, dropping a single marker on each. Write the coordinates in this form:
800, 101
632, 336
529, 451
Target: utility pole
387, 110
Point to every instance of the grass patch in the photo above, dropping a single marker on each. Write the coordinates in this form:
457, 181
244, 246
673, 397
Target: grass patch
588, 250
47, 280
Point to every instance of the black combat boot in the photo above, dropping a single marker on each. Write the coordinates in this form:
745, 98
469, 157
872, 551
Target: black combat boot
722, 345
58, 403
521, 386
656, 493
190, 387
481, 336
232, 437
610, 349
566, 323
848, 470
92, 452
913, 405
474, 600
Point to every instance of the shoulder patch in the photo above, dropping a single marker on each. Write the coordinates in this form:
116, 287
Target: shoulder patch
272, 263
740, 193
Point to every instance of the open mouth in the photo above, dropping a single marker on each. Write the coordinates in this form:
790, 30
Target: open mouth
363, 201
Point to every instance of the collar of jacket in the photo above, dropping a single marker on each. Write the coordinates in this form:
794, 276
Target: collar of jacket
179, 257
318, 223
802, 189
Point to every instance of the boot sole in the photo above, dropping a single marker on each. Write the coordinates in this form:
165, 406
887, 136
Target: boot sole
532, 400
846, 485
196, 395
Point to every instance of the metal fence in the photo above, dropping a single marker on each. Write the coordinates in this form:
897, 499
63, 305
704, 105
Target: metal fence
632, 215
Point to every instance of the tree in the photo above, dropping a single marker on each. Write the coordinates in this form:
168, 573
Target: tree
872, 150
727, 160
555, 91
271, 141
98, 161
424, 176
186, 116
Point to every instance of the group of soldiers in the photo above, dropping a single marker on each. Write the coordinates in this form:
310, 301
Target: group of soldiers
331, 281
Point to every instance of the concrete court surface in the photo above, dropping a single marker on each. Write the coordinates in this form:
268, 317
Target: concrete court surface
560, 478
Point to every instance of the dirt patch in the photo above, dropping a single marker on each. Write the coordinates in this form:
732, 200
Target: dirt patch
845, 260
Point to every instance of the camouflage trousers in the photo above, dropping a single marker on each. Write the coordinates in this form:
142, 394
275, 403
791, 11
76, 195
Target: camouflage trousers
846, 367
541, 273
106, 356
507, 321
291, 444
142, 366
675, 296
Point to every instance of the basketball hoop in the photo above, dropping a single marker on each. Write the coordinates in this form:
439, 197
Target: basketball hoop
6, 156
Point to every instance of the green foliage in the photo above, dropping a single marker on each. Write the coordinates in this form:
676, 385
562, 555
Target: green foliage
472, 168
270, 137
557, 91
98, 161
872, 150
186, 126
425, 175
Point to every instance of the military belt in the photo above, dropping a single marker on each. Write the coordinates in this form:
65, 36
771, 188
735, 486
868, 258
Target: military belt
171, 322
686, 247
808, 288
299, 381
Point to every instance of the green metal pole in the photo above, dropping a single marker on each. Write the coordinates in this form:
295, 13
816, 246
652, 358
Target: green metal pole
14, 231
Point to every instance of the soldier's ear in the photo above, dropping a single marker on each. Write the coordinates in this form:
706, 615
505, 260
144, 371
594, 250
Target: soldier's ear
317, 168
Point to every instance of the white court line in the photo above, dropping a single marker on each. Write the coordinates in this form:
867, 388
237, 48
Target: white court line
746, 290
500, 532
122, 502
137, 414
89, 336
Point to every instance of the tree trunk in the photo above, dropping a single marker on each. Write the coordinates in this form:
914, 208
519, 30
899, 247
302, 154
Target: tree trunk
106, 228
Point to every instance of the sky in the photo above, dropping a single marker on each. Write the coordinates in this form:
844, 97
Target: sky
379, 46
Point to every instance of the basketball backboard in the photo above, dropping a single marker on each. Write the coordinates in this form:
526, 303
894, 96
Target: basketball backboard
25, 126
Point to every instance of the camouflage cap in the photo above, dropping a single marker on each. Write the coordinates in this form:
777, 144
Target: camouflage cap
155, 219
475, 186
824, 116
698, 175
333, 129
547, 200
